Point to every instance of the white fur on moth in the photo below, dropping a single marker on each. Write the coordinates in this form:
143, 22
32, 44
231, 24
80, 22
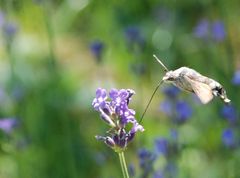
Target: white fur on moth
190, 80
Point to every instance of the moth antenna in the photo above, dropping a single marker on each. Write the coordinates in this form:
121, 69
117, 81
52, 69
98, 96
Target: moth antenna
165, 68
149, 102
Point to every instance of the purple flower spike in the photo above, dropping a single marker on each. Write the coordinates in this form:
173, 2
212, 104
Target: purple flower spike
236, 78
184, 111
228, 137
145, 158
131, 169
171, 91
161, 145
218, 31
8, 124
230, 113
132, 33
10, 29
158, 174
202, 29
167, 107
96, 48
134, 36
115, 112
100, 100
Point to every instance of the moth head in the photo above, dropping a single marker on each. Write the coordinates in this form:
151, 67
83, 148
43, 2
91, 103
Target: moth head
169, 76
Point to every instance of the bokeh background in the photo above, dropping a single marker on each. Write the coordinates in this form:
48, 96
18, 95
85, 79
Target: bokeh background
55, 54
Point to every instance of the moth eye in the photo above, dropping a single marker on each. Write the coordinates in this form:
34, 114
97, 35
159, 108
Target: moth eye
171, 79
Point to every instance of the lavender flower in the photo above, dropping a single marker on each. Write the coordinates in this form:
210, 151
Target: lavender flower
230, 113
8, 124
158, 174
167, 107
96, 48
218, 31
9, 29
174, 135
228, 137
202, 29
131, 169
115, 112
236, 78
133, 36
161, 146
184, 111
146, 159
171, 91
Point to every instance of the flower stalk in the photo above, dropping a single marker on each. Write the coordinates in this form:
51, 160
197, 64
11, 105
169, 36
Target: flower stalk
123, 164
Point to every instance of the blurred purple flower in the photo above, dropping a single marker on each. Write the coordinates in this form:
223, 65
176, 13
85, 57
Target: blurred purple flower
202, 29
183, 110
167, 107
171, 169
131, 169
132, 33
161, 146
145, 158
96, 48
115, 112
236, 78
158, 174
228, 137
218, 30
10, 29
133, 36
205, 30
8, 124
230, 113
171, 91
174, 134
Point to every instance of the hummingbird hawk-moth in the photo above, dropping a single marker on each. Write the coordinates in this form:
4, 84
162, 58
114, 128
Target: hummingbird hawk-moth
190, 80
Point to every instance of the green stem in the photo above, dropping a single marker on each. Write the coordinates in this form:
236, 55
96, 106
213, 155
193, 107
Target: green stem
50, 31
123, 164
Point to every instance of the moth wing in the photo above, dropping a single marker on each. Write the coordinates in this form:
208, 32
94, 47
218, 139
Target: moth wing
202, 90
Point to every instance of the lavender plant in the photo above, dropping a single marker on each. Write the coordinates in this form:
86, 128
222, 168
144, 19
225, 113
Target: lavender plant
8, 124
97, 48
114, 110
229, 139
236, 78
210, 30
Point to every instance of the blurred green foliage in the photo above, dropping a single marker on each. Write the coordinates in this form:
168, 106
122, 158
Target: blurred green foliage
50, 66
